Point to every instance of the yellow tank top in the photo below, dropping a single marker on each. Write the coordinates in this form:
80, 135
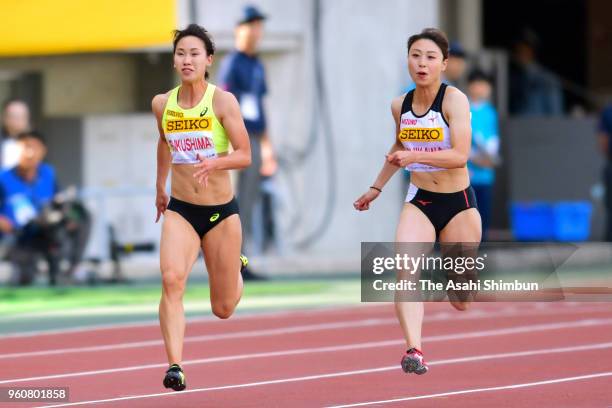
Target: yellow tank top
195, 132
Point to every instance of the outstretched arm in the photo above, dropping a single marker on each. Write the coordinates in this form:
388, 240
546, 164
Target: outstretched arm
388, 168
163, 156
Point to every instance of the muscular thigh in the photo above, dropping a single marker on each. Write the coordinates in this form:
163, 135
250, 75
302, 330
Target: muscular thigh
414, 226
414, 237
179, 245
466, 226
221, 246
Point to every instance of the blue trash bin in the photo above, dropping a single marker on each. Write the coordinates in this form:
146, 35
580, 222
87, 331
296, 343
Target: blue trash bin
532, 221
572, 220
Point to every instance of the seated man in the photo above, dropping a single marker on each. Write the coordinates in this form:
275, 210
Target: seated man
24, 191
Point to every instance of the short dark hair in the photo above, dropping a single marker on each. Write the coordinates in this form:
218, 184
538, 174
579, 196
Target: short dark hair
196, 31
433, 34
478, 74
32, 134
456, 50
251, 14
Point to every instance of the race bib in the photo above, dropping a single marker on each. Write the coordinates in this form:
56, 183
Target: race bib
249, 107
189, 139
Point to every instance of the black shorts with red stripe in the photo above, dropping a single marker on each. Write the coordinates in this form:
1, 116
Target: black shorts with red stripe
440, 208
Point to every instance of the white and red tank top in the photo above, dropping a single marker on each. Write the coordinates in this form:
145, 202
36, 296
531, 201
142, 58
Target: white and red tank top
426, 133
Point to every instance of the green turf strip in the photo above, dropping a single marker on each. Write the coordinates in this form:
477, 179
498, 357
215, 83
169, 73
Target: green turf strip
15, 301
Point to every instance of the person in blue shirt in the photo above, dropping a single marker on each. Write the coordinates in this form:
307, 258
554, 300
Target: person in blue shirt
24, 191
484, 154
242, 73
605, 145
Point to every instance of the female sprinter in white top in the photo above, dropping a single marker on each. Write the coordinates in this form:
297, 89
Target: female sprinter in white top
433, 136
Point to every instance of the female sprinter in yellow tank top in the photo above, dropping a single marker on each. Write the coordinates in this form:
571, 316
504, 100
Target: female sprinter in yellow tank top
433, 136
196, 123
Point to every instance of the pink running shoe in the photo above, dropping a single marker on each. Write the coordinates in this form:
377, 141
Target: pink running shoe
413, 362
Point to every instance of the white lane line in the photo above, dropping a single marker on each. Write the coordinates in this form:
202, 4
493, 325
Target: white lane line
387, 343
475, 390
558, 306
358, 372
152, 323
441, 316
211, 337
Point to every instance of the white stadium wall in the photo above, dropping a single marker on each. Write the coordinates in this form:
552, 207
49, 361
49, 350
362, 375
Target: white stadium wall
363, 49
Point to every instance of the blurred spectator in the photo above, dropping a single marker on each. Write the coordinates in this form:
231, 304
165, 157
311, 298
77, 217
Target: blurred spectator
242, 73
265, 226
24, 191
485, 144
455, 68
15, 120
37, 221
605, 144
534, 90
